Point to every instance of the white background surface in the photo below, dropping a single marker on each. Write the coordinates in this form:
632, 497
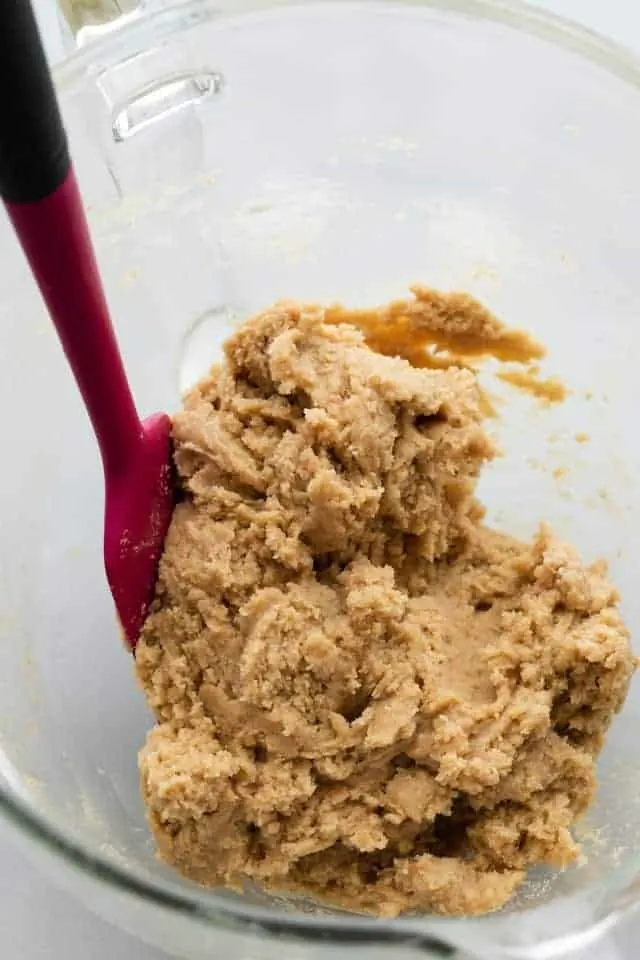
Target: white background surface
38, 922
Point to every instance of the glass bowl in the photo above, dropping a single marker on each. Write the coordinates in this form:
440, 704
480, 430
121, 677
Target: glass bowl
232, 152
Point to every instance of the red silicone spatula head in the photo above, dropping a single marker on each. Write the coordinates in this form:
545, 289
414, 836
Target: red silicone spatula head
40, 192
138, 508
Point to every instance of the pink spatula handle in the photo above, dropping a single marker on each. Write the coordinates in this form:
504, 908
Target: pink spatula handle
54, 235
39, 189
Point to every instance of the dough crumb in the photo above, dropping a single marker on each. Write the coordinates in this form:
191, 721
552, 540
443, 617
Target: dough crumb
549, 391
362, 693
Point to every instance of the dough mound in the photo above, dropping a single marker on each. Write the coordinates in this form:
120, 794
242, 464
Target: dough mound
363, 694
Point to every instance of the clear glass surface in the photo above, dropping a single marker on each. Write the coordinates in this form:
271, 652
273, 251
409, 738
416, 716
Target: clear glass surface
232, 152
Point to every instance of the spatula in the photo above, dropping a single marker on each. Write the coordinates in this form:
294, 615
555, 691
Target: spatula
39, 190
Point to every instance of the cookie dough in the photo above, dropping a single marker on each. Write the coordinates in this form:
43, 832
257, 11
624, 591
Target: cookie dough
362, 693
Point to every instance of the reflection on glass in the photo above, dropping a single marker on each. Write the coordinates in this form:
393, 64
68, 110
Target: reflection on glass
86, 19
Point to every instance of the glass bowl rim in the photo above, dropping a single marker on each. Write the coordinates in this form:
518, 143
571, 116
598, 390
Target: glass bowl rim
141, 28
